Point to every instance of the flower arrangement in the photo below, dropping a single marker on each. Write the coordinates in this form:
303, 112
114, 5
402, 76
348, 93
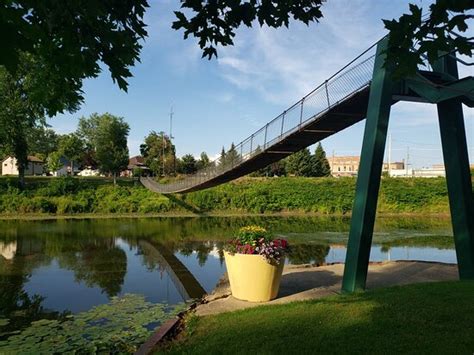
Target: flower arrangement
256, 240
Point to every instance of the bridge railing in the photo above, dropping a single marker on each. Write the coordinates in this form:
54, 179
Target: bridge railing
353, 77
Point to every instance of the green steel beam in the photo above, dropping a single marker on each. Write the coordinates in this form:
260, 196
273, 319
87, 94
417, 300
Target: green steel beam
458, 177
436, 94
368, 179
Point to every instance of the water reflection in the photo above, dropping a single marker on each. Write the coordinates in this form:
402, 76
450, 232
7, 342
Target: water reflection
49, 269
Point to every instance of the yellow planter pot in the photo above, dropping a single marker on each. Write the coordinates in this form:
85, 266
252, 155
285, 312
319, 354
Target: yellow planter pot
252, 278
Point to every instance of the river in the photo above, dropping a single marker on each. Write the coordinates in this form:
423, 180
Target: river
59, 278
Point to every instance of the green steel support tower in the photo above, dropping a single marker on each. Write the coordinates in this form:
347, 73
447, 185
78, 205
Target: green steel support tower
443, 87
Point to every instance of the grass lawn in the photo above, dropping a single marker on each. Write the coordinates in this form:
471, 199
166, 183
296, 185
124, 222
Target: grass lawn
434, 318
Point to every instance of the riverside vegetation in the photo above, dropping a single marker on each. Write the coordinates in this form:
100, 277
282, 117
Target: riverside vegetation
250, 195
60, 196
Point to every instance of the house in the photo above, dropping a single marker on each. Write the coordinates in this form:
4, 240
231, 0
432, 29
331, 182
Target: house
136, 163
65, 169
35, 166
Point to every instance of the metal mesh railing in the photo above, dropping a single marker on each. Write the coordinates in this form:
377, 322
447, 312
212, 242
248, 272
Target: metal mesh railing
352, 78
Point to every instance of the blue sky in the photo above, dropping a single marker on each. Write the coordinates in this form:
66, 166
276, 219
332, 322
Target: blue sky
222, 101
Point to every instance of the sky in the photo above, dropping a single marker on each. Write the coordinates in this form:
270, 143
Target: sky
226, 99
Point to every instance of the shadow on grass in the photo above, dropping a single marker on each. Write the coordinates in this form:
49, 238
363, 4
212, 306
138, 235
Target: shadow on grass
178, 201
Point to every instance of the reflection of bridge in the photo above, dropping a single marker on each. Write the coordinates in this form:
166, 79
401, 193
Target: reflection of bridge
184, 281
364, 88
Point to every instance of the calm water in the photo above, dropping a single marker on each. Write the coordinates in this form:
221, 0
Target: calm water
51, 267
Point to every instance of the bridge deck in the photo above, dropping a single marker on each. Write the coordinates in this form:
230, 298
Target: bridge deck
341, 116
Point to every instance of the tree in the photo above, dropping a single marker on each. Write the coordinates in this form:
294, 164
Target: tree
15, 103
86, 130
159, 153
111, 139
71, 147
53, 162
27, 95
320, 164
203, 161
188, 164
42, 141
232, 157
299, 163
222, 158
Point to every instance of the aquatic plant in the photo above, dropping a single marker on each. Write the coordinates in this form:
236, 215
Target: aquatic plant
119, 326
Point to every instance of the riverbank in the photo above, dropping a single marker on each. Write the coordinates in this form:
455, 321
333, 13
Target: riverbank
46, 198
46, 217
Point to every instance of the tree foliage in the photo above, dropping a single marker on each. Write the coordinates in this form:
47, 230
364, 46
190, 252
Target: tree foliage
111, 149
73, 37
413, 36
203, 161
320, 164
299, 163
159, 153
215, 22
42, 141
71, 147
53, 161
232, 157
188, 164
19, 114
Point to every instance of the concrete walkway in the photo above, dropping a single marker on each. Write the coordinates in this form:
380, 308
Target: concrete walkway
306, 282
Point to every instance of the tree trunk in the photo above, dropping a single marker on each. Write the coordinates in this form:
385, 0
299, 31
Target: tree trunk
21, 176
115, 178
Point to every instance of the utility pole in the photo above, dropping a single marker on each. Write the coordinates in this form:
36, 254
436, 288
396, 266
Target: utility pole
163, 153
389, 154
171, 138
406, 163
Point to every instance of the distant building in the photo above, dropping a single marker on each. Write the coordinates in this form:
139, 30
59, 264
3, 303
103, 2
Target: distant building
65, 169
35, 166
89, 172
344, 165
134, 164
436, 170
397, 165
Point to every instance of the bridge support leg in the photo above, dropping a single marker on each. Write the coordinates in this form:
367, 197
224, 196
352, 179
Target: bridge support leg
458, 176
368, 180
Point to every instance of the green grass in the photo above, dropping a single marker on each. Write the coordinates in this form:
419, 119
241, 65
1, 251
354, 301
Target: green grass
434, 318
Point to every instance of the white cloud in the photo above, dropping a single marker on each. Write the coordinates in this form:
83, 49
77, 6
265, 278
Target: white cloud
283, 65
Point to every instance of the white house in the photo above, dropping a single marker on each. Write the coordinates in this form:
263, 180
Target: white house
35, 166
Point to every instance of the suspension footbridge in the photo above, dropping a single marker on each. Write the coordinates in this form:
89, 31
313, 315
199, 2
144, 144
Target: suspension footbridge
363, 89
336, 104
